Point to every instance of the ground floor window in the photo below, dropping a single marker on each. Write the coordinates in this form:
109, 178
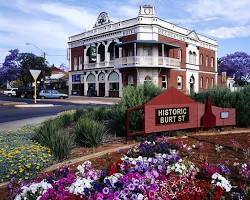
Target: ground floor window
91, 90
164, 81
76, 89
179, 82
114, 86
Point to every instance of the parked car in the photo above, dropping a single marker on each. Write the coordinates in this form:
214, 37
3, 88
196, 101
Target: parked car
52, 94
10, 92
26, 92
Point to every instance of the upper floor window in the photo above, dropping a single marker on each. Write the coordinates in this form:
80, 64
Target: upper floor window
201, 59
192, 57
75, 63
80, 62
179, 54
206, 61
179, 82
201, 82
164, 81
212, 62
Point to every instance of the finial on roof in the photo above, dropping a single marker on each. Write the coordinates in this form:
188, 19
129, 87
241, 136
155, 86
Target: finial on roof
147, 10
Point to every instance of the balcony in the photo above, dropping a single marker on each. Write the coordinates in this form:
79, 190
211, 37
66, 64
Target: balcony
147, 61
137, 61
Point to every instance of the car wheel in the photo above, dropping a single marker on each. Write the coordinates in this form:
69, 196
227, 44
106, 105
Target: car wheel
42, 97
22, 95
9, 95
61, 98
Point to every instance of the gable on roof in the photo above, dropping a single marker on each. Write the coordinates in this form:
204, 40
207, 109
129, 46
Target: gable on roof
170, 96
192, 34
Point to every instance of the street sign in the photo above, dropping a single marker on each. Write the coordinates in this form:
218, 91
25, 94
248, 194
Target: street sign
35, 74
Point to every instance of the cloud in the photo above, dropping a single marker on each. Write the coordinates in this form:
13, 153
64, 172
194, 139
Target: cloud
230, 32
220, 9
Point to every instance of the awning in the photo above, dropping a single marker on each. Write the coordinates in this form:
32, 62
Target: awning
169, 45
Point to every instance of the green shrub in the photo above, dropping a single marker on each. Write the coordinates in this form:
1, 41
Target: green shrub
50, 134
223, 97
65, 118
132, 96
61, 144
89, 133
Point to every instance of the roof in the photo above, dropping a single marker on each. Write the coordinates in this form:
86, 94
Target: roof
169, 45
170, 96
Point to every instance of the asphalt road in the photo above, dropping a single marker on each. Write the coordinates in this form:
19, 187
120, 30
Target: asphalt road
11, 113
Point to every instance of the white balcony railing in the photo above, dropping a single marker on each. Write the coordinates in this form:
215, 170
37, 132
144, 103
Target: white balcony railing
147, 61
137, 61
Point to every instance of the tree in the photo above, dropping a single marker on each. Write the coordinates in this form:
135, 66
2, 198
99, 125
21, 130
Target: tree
10, 69
237, 65
29, 61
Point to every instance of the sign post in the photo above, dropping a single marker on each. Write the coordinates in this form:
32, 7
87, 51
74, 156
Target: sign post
35, 74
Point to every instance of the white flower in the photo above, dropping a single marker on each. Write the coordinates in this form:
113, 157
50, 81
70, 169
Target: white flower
140, 197
79, 185
219, 180
43, 186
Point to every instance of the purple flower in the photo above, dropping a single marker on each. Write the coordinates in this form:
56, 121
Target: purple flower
105, 190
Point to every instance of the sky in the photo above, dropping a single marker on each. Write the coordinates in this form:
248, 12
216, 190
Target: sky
47, 24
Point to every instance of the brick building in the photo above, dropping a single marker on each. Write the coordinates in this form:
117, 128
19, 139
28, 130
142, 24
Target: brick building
145, 48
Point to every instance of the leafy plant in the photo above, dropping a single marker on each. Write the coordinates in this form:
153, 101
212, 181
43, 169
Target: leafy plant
89, 133
132, 96
223, 97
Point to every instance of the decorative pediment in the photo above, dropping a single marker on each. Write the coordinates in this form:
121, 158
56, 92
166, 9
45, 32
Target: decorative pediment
193, 35
102, 19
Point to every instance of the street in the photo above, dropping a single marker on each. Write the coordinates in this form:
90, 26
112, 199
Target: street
10, 113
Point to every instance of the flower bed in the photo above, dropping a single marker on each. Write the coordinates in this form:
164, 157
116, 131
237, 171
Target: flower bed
20, 157
151, 170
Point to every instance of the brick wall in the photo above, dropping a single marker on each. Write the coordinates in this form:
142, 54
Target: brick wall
211, 54
172, 79
129, 38
174, 52
204, 77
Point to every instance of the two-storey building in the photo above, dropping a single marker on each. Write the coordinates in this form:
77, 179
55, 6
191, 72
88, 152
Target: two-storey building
146, 48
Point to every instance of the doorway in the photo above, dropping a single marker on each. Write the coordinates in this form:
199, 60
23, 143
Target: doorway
101, 89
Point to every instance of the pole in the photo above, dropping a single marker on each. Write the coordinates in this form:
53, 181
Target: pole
35, 92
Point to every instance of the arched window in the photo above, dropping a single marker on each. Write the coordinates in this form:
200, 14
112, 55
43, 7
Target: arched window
212, 82
164, 81
201, 59
190, 57
101, 52
147, 79
179, 82
206, 61
90, 78
201, 82
113, 81
91, 53
194, 58
207, 82
101, 77
113, 51
212, 62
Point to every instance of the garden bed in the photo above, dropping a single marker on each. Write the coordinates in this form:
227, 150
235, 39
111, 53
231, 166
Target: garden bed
202, 157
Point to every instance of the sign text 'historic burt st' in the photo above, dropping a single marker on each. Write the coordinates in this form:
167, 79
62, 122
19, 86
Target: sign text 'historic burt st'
171, 115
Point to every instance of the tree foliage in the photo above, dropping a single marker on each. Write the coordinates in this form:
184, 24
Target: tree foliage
30, 61
236, 65
10, 69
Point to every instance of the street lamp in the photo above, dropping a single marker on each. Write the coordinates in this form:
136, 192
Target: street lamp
43, 52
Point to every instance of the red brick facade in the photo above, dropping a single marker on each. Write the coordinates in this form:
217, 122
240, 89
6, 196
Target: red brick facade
207, 60
174, 52
206, 81
172, 79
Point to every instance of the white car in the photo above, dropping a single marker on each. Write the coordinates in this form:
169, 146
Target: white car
10, 92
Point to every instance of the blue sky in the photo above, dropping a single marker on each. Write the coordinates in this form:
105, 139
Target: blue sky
47, 24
